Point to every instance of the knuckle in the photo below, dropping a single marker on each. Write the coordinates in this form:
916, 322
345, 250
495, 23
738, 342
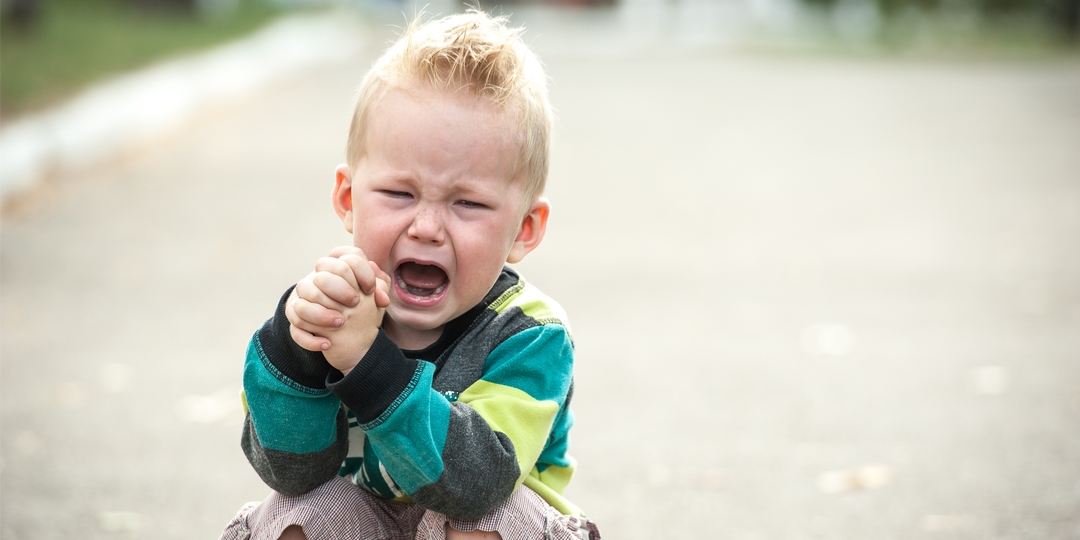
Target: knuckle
356, 259
323, 279
299, 336
304, 287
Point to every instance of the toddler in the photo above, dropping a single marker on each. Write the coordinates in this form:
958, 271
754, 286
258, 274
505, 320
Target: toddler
413, 386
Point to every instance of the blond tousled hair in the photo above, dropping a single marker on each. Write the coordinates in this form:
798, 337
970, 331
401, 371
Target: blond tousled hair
472, 52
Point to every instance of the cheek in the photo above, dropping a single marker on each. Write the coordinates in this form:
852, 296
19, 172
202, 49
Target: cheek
375, 244
487, 249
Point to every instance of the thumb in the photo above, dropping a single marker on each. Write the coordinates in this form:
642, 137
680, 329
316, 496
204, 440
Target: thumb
382, 293
379, 273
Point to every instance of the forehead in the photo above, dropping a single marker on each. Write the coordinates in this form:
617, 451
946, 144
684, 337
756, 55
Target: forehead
441, 125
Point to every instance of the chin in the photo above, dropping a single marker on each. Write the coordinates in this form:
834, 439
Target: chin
409, 318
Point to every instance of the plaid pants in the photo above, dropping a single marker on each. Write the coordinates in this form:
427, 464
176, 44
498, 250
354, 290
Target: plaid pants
339, 510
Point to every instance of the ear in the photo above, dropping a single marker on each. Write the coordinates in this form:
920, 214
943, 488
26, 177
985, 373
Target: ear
532, 230
342, 197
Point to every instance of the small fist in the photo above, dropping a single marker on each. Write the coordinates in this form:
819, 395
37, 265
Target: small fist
345, 295
350, 341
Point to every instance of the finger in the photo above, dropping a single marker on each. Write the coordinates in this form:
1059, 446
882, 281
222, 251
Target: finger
339, 267
379, 272
290, 312
307, 289
316, 315
313, 318
345, 250
307, 340
382, 293
337, 289
382, 290
296, 290
315, 330
362, 272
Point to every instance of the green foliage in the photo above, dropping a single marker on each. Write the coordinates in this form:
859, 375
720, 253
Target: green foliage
74, 42
1055, 10
1048, 22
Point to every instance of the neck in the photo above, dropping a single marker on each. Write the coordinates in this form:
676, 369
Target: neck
410, 338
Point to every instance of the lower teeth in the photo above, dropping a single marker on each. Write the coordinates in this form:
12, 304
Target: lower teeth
419, 291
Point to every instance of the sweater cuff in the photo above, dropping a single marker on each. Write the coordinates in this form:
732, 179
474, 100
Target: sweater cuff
304, 367
376, 382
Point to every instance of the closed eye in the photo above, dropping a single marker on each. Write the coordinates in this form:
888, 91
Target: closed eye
396, 194
471, 204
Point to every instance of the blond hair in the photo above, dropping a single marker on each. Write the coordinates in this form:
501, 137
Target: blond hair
474, 52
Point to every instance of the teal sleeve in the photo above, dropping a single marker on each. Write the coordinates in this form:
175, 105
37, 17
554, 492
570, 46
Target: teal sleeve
410, 435
286, 415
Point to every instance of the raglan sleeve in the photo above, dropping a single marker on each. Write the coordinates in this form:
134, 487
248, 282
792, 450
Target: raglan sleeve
462, 455
295, 430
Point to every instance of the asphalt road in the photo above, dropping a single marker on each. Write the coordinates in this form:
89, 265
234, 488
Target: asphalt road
813, 297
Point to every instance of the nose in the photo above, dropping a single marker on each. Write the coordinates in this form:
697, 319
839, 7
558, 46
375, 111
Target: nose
427, 226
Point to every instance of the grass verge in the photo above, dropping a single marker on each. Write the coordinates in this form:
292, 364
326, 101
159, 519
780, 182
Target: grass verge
76, 42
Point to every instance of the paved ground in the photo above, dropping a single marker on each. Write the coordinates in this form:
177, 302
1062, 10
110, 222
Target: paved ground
812, 297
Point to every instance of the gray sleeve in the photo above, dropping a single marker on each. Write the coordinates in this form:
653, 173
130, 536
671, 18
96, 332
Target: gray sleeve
296, 474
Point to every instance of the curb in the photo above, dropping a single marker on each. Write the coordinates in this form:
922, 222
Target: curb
109, 118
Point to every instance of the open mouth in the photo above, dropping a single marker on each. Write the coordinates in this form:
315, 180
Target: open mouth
422, 281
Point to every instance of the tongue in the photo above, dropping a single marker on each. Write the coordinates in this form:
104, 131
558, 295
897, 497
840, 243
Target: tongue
422, 276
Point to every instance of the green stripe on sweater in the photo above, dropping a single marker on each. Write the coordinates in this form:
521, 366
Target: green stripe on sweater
533, 303
513, 412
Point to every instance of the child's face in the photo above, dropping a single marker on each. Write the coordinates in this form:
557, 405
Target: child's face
436, 201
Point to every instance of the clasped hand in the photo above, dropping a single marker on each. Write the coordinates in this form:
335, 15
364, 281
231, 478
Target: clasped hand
338, 308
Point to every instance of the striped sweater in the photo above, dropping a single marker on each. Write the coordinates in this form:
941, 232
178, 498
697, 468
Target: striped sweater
455, 427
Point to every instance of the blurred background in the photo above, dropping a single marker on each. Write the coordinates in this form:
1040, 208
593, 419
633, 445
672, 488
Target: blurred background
821, 257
